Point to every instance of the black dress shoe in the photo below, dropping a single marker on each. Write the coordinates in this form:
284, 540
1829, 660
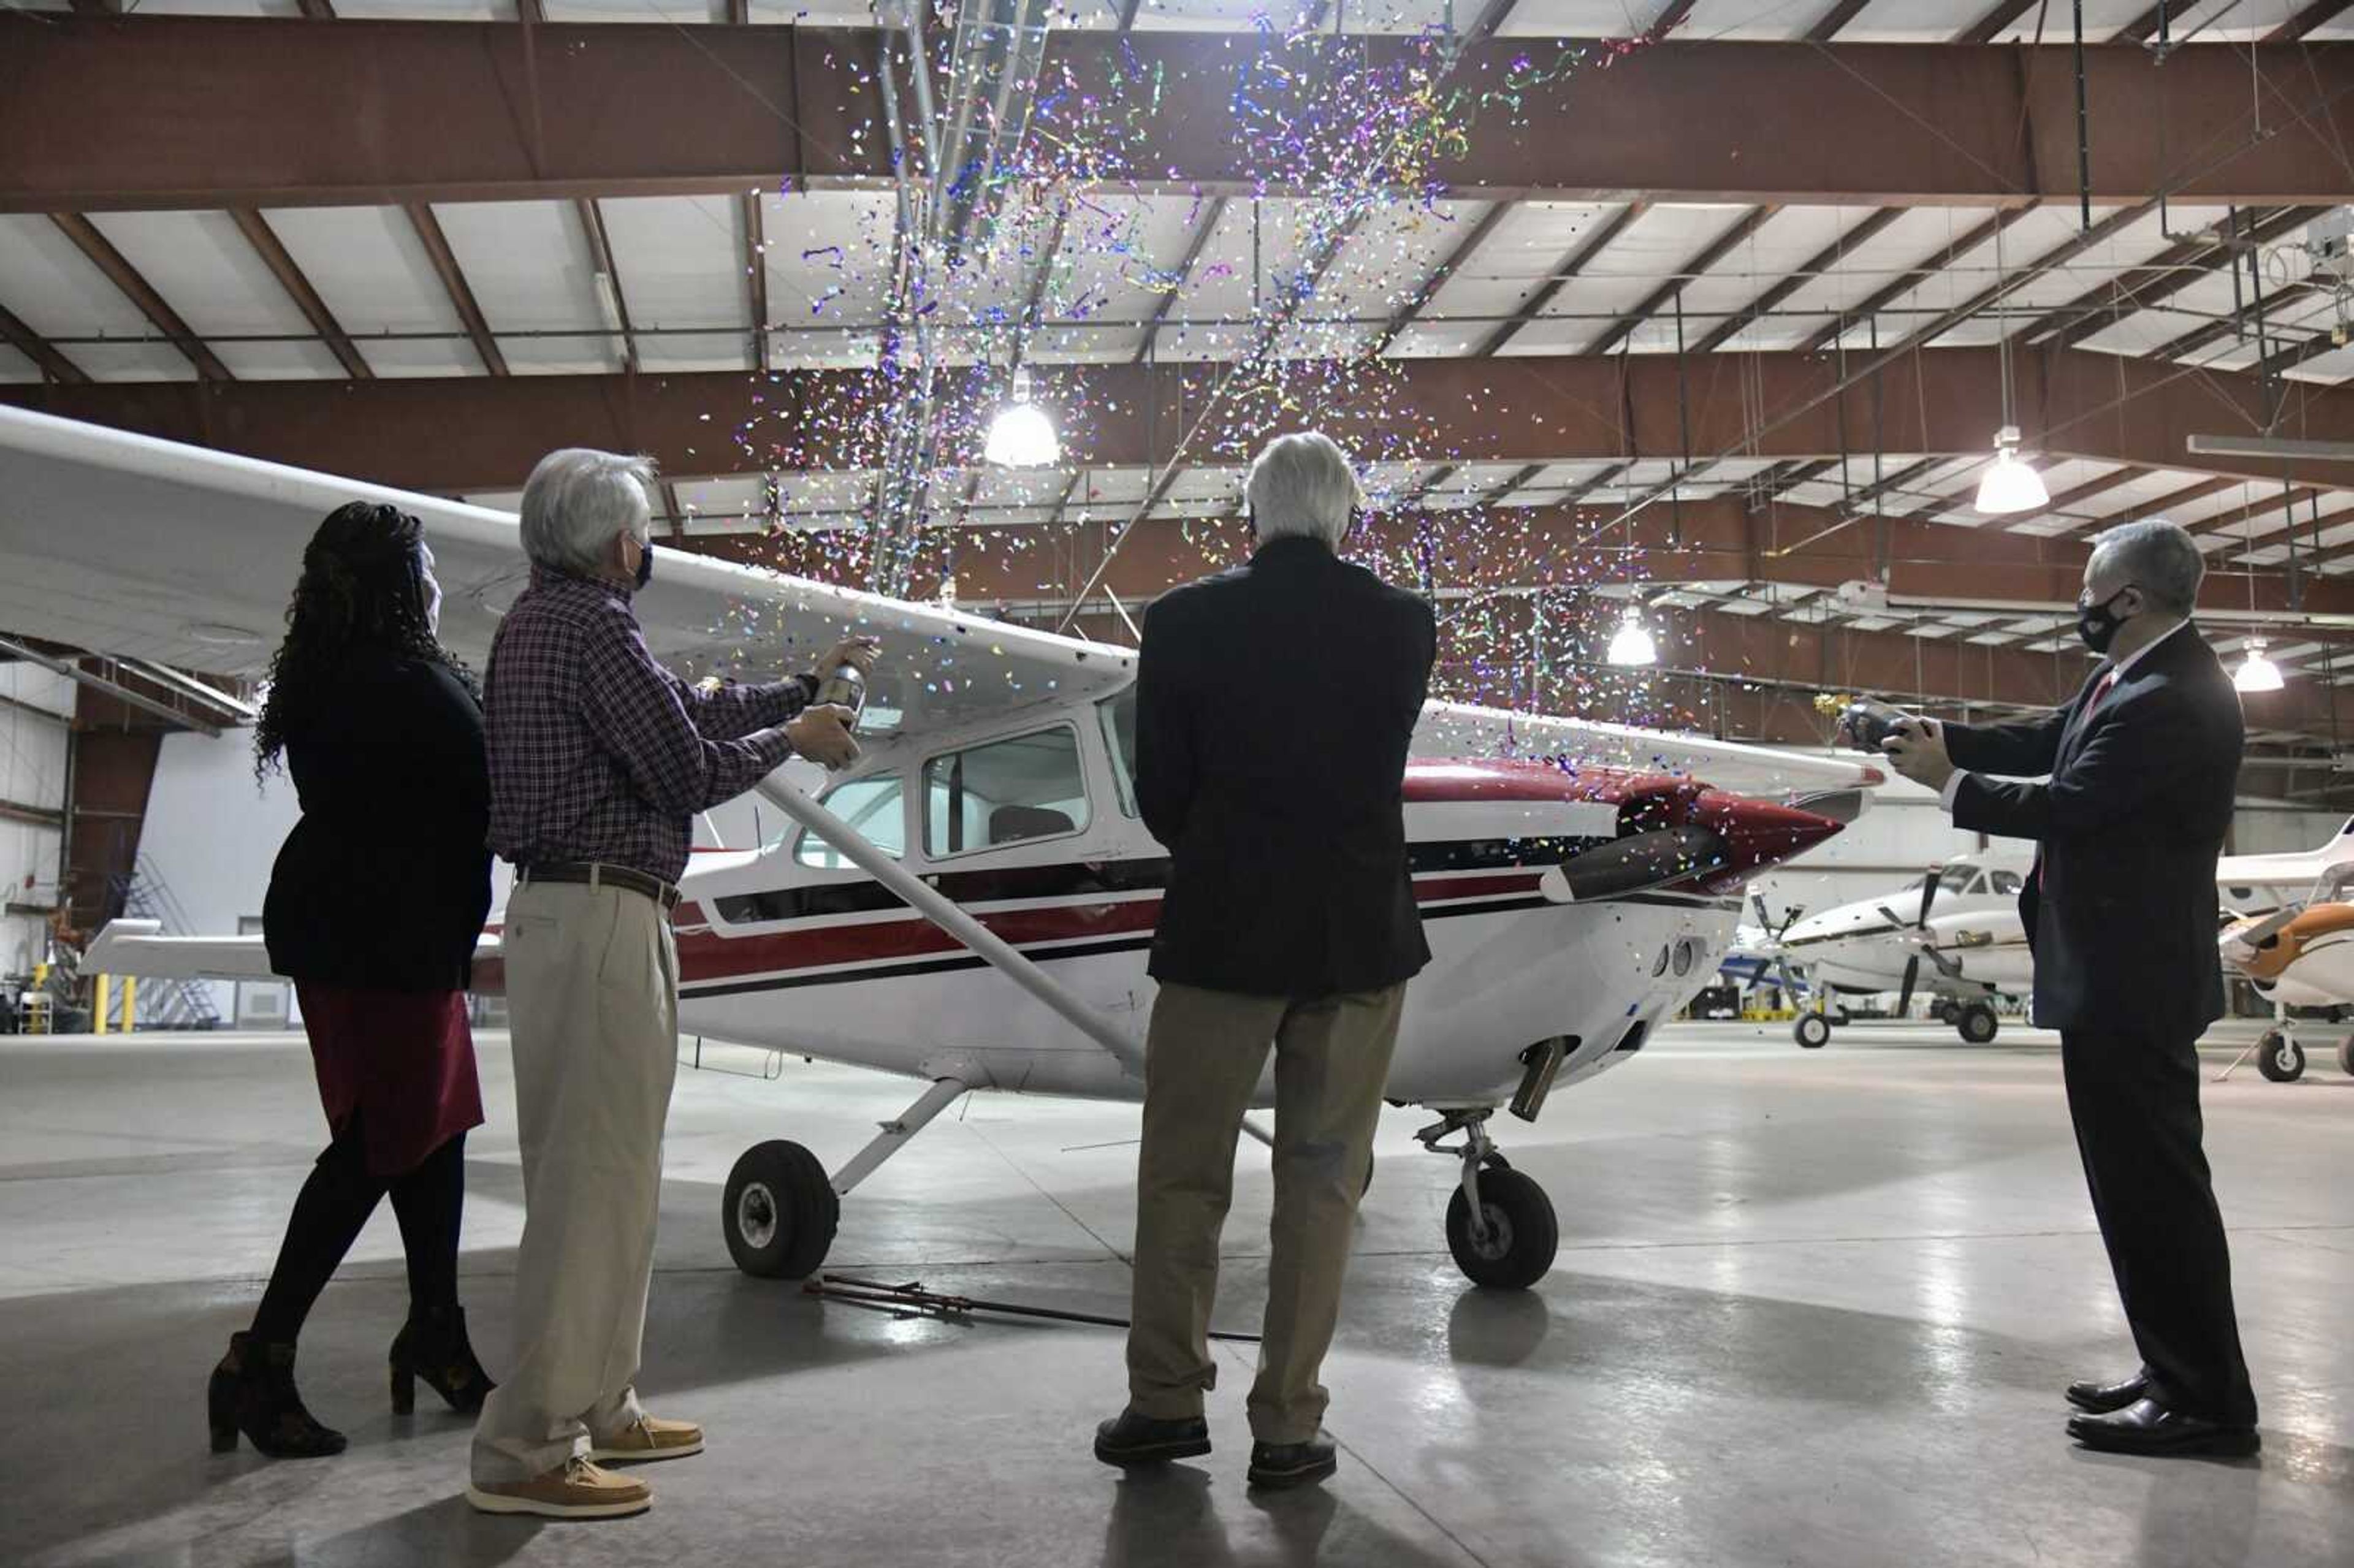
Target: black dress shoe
2100, 1398
2146, 1426
1293, 1464
1132, 1439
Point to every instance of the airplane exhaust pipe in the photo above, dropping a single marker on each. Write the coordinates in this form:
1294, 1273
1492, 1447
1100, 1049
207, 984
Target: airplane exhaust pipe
1543, 1062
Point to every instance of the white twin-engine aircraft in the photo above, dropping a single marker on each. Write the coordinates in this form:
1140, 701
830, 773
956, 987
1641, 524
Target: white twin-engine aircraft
969, 905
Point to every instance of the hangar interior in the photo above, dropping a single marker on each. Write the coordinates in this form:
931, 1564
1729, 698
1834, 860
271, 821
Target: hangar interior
1706, 364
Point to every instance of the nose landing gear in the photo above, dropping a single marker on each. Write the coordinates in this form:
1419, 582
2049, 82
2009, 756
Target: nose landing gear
1501, 1225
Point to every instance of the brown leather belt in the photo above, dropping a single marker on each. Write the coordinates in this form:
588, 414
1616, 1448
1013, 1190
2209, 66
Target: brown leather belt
598, 873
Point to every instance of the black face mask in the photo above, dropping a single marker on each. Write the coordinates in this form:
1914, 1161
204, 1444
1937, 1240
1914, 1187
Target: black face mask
645, 565
2097, 623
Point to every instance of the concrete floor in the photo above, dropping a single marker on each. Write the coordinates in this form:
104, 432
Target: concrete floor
1811, 1309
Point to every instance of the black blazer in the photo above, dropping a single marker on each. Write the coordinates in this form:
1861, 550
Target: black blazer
2122, 913
1274, 703
384, 882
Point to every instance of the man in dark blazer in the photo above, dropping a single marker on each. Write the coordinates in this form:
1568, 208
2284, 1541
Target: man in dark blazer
1274, 703
2121, 912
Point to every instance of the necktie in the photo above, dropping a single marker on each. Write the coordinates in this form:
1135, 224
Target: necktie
2100, 689
2084, 716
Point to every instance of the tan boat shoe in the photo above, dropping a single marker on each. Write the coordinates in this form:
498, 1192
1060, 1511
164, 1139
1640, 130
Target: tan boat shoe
646, 1438
577, 1490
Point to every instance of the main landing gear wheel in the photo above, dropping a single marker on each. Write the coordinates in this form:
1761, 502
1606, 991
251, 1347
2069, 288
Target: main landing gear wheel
2345, 1055
780, 1212
1522, 1234
1947, 1014
1978, 1023
2280, 1059
1813, 1030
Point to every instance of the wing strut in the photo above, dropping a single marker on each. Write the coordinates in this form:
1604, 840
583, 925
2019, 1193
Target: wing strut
942, 912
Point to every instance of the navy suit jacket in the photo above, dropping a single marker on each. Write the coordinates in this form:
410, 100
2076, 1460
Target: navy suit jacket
2122, 911
1275, 705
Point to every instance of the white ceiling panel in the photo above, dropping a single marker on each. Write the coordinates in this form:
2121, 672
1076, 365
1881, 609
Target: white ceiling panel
372, 271
825, 253
60, 293
1781, 245
1519, 257
531, 270
678, 260
209, 273
1646, 254
1120, 254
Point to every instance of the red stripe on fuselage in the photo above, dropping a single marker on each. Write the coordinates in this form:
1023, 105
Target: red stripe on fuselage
708, 955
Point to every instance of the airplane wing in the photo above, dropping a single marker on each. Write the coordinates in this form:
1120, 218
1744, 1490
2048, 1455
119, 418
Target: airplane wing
146, 548
1829, 782
150, 549
2299, 869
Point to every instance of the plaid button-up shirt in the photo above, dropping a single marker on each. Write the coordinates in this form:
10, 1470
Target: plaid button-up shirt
599, 754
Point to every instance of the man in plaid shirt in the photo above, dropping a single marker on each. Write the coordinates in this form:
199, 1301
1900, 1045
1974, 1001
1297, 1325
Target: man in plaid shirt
600, 759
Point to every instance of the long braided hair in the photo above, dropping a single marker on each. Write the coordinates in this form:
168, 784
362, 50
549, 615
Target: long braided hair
363, 587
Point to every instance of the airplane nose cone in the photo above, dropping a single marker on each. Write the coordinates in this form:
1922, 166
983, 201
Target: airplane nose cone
1759, 833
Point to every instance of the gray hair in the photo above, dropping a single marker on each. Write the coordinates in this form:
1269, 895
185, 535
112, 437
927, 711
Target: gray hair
2157, 556
1301, 484
578, 499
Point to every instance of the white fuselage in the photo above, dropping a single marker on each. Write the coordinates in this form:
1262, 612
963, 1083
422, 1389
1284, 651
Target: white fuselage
1973, 921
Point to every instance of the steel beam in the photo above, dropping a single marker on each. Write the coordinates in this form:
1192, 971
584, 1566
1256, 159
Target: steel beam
204, 111
120, 272
283, 267
454, 284
41, 351
458, 434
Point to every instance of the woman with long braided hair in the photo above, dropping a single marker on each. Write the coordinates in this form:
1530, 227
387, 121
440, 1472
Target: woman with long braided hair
374, 907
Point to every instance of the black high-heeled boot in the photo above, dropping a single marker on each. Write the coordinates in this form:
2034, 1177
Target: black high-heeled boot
434, 1347
252, 1392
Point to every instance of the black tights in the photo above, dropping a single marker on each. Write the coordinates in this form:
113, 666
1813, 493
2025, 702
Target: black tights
334, 1205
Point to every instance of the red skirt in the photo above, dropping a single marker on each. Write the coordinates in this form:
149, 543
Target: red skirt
403, 1062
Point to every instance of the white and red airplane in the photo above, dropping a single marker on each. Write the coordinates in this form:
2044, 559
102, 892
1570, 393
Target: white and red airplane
970, 904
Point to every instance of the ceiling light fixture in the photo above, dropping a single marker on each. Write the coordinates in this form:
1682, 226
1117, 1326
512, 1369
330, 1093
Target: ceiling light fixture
1021, 435
1632, 644
2257, 673
2011, 486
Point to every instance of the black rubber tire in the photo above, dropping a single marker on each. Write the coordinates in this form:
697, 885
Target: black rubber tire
1813, 1030
783, 1184
2345, 1055
2280, 1059
1978, 1024
1947, 1014
1523, 1234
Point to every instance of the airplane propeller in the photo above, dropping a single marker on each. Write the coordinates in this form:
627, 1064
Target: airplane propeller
1923, 942
1783, 974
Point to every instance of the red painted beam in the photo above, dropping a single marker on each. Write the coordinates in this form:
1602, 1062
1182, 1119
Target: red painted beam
224, 112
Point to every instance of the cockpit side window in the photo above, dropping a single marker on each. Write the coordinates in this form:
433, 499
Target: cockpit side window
2005, 882
1119, 715
869, 805
1003, 792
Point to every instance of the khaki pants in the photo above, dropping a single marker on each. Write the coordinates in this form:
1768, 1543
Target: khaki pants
1203, 1058
592, 991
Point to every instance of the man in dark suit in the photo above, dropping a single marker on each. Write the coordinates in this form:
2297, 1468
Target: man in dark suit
1274, 703
2121, 913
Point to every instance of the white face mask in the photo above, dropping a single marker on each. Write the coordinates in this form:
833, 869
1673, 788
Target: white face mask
432, 589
